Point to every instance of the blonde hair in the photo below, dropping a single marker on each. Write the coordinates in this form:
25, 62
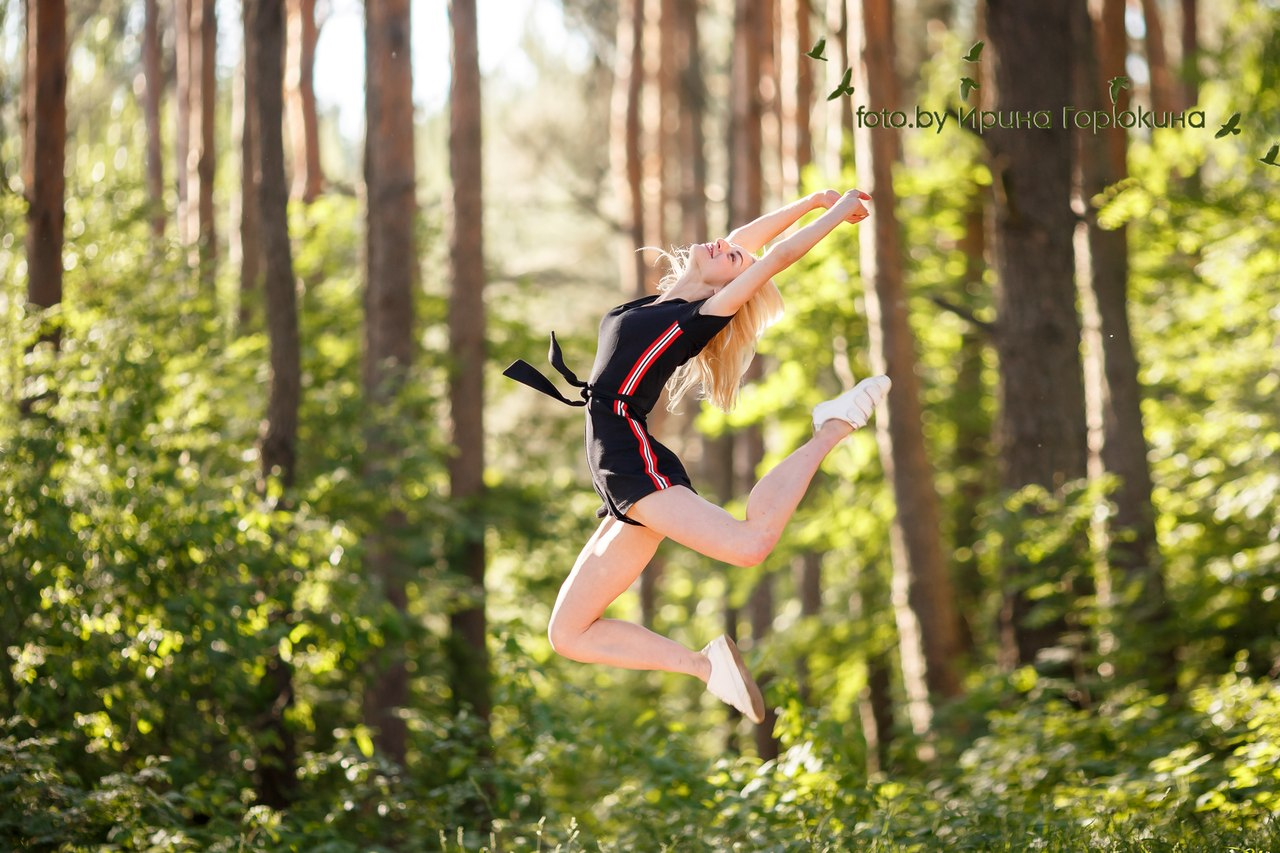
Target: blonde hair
721, 364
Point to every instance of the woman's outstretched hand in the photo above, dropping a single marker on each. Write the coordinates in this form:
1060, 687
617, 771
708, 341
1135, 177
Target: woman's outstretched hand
851, 203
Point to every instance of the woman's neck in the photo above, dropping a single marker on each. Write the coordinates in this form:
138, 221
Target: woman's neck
689, 289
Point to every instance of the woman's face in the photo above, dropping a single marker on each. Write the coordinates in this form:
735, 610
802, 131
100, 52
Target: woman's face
720, 262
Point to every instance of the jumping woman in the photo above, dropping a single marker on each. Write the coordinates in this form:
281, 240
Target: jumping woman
701, 328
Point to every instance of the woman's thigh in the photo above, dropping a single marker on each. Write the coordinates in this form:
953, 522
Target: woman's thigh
609, 563
682, 515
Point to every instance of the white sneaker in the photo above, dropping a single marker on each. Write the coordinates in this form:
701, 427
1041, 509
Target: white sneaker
730, 682
855, 405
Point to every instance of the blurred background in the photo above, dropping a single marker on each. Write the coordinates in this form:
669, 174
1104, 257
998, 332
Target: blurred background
280, 543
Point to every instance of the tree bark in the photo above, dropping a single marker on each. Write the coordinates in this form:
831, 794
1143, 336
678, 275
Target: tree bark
280, 436
923, 596
770, 107
390, 181
44, 151
246, 246
837, 114
1190, 55
875, 701
202, 156
1041, 425
1113, 393
264, 45
691, 148
468, 351
761, 609
795, 90
1163, 96
746, 189
972, 460
304, 126
153, 79
746, 200
624, 132
182, 108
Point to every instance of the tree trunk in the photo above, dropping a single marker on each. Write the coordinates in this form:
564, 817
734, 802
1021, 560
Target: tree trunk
875, 701
467, 350
795, 90
837, 114
806, 571
1190, 55
624, 132
280, 436
746, 190
691, 149
181, 108
660, 176
44, 151
770, 108
1113, 395
657, 123
153, 78
923, 598
761, 608
202, 155
304, 127
1041, 425
264, 45
1163, 97
390, 181
972, 461
746, 199
246, 245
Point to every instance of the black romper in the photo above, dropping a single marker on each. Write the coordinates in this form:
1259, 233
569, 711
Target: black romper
641, 344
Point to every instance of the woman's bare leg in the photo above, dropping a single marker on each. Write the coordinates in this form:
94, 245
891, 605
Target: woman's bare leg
611, 561
696, 523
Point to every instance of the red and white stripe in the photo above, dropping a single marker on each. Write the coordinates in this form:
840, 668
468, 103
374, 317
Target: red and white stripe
642, 365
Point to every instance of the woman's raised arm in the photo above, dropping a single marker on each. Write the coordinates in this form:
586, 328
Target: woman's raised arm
755, 235
734, 295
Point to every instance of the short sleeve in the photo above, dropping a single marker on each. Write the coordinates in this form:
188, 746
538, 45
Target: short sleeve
701, 328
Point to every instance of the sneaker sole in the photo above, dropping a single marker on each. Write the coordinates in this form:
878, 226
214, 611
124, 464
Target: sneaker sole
753, 691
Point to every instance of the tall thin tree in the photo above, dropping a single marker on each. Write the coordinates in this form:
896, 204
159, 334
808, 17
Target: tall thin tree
1040, 421
923, 597
277, 446
202, 154
795, 90
44, 149
624, 142
1132, 582
246, 237
390, 182
468, 645
300, 102
153, 82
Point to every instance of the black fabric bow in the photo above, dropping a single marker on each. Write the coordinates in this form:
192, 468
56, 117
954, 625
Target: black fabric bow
526, 374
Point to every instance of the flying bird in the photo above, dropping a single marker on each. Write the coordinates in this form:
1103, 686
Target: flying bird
815, 52
967, 85
1229, 127
844, 88
1270, 159
1118, 83
974, 52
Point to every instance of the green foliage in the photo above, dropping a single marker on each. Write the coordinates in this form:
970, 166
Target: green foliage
149, 586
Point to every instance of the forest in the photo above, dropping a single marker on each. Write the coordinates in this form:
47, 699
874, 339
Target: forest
281, 543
